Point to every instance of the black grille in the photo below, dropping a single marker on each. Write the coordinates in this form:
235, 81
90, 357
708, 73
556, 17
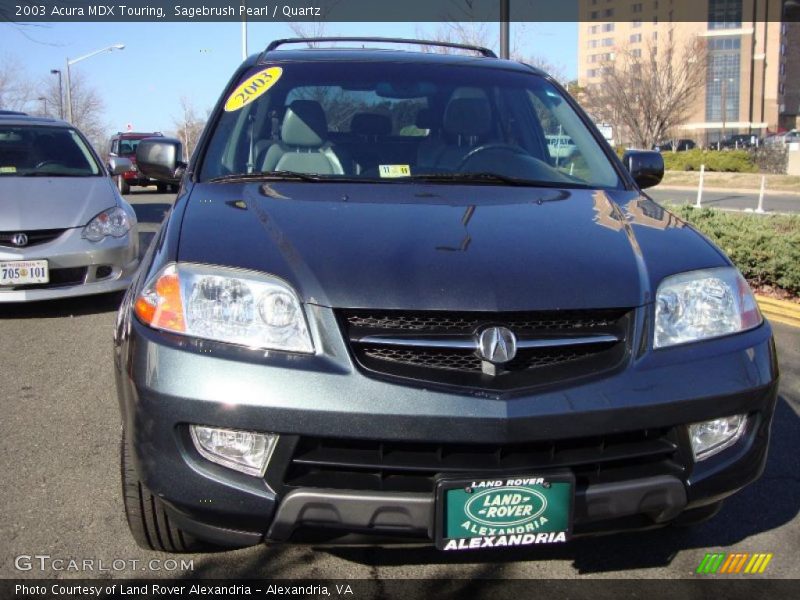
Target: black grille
463, 367
35, 237
466, 322
401, 466
58, 278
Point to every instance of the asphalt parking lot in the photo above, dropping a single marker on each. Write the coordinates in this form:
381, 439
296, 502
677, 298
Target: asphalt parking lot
59, 439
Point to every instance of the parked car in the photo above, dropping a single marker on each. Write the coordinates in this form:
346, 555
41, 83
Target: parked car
64, 229
781, 139
124, 145
680, 145
448, 336
742, 141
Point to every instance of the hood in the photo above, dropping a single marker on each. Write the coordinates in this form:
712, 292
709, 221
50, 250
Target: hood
52, 202
446, 247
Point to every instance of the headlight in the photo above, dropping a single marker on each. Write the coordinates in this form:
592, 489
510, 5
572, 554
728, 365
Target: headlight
703, 304
114, 222
226, 305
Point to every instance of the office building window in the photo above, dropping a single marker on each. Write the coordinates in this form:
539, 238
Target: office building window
636, 23
637, 8
724, 14
608, 27
635, 38
608, 42
636, 52
722, 80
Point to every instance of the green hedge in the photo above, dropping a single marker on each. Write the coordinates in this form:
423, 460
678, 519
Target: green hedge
766, 249
732, 161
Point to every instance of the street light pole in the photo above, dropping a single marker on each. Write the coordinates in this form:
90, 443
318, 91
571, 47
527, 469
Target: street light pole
77, 60
244, 31
60, 93
505, 32
44, 102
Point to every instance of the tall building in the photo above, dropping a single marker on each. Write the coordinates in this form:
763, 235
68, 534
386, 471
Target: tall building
752, 84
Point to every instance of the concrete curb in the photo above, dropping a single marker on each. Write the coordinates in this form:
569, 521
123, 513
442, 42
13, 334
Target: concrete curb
739, 191
780, 311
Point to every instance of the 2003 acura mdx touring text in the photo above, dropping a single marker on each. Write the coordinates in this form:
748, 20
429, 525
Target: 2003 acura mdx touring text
384, 303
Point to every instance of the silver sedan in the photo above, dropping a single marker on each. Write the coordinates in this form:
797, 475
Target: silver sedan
64, 228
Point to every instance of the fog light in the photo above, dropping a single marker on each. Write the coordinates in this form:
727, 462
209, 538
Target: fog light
710, 437
244, 451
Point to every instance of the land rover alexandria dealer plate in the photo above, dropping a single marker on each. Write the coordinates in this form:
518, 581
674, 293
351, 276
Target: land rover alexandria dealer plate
502, 512
24, 271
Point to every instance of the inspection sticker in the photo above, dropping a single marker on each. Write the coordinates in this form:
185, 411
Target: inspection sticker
394, 170
252, 87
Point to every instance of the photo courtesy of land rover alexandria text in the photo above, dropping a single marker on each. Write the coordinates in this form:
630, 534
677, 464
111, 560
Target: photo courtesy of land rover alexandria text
412, 296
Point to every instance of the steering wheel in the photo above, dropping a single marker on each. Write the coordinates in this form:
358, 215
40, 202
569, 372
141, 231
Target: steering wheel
44, 163
488, 147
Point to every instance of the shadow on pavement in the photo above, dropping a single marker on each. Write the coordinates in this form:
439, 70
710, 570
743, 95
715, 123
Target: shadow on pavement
66, 307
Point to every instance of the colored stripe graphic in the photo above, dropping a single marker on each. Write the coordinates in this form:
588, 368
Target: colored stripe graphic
734, 563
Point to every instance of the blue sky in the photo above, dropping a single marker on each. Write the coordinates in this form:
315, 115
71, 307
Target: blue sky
142, 85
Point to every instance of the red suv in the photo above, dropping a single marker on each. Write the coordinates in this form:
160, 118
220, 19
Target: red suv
124, 145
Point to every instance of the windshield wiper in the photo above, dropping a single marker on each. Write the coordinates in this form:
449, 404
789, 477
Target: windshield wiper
277, 176
489, 178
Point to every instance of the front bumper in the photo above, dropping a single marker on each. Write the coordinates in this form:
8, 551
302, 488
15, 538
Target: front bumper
101, 267
166, 383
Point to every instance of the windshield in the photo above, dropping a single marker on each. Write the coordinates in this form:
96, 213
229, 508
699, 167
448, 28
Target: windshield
27, 150
127, 146
391, 121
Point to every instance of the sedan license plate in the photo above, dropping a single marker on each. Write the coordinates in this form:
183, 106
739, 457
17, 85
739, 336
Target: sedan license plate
23, 272
504, 512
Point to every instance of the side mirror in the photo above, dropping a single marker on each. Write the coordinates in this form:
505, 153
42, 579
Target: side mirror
160, 159
646, 167
118, 165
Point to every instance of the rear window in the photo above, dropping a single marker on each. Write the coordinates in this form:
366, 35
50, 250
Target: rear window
376, 120
27, 150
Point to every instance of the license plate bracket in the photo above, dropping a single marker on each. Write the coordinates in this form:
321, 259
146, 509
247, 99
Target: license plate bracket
504, 511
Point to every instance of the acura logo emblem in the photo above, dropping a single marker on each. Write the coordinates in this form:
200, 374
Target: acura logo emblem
497, 345
19, 239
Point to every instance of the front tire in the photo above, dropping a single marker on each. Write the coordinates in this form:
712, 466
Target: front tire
147, 518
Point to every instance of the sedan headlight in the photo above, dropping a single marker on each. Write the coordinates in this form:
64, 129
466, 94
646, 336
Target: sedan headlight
113, 222
226, 305
703, 304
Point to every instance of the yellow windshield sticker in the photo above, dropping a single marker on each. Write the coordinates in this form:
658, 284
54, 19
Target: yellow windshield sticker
394, 170
252, 87
8, 169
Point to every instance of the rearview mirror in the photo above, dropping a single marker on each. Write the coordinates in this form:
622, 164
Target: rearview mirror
118, 165
646, 167
161, 159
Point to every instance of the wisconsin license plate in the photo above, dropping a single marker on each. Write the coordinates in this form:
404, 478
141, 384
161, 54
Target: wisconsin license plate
504, 512
22, 272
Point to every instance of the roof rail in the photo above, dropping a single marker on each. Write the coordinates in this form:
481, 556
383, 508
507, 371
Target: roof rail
479, 49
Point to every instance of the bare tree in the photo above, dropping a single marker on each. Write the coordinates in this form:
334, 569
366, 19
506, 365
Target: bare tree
88, 107
318, 27
309, 29
485, 35
188, 126
648, 93
16, 90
